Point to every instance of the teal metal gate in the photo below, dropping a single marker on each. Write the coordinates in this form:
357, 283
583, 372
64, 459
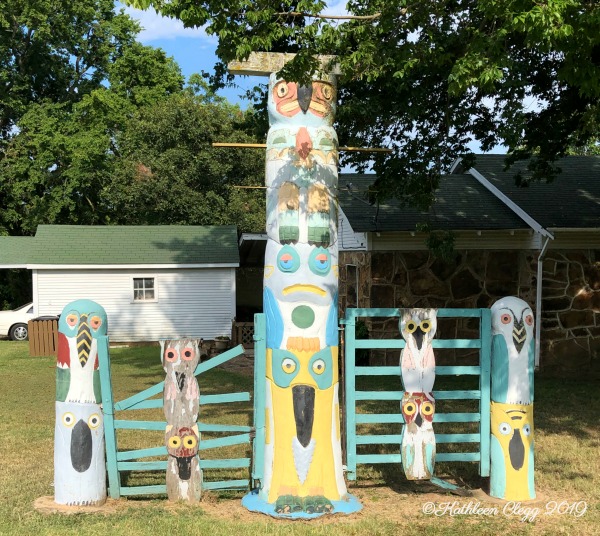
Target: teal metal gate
353, 419
120, 461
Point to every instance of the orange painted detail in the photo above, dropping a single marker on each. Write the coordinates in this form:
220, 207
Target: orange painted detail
303, 344
303, 143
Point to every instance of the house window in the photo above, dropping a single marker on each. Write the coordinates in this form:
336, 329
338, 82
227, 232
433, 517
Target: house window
144, 289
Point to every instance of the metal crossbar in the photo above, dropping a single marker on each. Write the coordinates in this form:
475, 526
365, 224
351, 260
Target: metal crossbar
480, 439
119, 461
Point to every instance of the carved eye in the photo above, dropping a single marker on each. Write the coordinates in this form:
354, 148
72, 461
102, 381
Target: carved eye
504, 428
96, 322
426, 326
281, 89
68, 419
427, 408
410, 408
175, 442
72, 320
320, 262
188, 354
288, 260
318, 366
529, 320
411, 326
189, 441
288, 365
526, 430
171, 355
506, 318
94, 421
327, 92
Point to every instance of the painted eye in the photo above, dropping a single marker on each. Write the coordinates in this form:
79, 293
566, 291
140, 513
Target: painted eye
327, 92
318, 366
529, 320
410, 408
288, 365
427, 408
504, 428
281, 89
171, 355
188, 354
189, 441
426, 326
411, 326
72, 320
96, 322
320, 262
94, 421
288, 260
506, 318
526, 430
68, 419
174, 442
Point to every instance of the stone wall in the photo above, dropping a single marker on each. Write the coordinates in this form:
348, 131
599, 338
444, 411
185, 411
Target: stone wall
476, 278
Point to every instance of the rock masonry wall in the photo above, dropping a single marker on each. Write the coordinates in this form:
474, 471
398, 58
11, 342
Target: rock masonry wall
570, 341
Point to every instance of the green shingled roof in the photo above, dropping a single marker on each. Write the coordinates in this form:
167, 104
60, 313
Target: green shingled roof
15, 251
159, 244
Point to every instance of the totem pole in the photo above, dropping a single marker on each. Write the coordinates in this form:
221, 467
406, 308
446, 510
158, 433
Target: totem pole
302, 451
79, 466
417, 365
181, 400
511, 448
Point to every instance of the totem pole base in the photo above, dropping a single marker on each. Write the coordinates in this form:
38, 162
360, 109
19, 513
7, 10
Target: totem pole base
253, 502
45, 505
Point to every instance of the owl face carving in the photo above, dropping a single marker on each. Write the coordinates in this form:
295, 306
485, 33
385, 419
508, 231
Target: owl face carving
182, 444
513, 318
418, 327
418, 410
312, 104
180, 356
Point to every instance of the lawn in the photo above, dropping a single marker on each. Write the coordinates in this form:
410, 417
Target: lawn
567, 467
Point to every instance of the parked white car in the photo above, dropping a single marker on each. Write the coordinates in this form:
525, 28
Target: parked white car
14, 323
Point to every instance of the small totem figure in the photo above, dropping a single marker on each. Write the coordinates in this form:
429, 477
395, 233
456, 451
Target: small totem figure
184, 477
417, 366
181, 401
418, 439
512, 443
79, 466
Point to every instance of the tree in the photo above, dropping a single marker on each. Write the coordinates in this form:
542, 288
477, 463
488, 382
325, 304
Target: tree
428, 77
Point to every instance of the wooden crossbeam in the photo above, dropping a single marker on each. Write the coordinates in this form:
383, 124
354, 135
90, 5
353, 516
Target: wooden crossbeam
264, 146
265, 63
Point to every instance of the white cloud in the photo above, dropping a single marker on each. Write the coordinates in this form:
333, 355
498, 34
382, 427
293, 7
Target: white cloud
155, 26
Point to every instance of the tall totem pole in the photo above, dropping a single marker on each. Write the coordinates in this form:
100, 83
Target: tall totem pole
302, 452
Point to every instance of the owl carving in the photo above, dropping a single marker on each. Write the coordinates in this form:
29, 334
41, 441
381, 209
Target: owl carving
181, 394
77, 379
184, 477
417, 361
513, 351
79, 467
418, 439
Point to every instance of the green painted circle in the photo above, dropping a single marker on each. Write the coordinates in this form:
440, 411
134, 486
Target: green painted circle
303, 316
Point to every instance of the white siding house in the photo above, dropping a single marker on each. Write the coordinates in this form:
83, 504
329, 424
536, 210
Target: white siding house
153, 281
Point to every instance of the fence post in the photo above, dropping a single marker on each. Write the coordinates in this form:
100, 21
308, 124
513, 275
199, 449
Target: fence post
350, 399
260, 364
485, 335
108, 409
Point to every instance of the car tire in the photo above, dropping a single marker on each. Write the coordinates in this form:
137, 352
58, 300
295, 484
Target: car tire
18, 332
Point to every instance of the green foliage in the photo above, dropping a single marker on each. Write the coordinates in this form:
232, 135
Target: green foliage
428, 77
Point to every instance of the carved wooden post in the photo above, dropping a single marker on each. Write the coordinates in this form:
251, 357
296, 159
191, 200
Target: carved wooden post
79, 466
417, 364
180, 404
302, 461
511, 447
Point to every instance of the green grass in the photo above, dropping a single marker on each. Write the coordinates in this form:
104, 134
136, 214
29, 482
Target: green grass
567, 464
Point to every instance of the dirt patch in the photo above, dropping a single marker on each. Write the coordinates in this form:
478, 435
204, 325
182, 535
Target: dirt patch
46, 505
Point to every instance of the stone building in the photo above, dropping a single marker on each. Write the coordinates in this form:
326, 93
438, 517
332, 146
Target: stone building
505, 237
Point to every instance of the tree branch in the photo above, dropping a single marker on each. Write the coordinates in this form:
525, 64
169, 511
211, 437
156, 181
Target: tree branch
333, 17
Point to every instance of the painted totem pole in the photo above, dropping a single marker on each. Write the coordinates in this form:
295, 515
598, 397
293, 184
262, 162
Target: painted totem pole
181, 400
303, 462
79, 466
417, 365
511, 449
